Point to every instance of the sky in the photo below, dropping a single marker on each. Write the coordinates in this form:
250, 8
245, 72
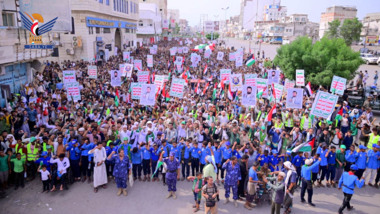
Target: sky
192, 10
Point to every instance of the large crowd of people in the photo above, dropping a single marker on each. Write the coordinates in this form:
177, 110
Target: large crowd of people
207, 137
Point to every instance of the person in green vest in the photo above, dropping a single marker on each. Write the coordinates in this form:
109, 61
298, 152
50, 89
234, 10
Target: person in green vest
44, 143
289, 123
19, 149
306, 122
19, 168
32, 149
374, 138
198, 183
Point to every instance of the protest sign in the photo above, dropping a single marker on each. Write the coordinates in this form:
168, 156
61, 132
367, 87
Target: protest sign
177, 88
289, 84
92, 71
149, 61
180, 50
173, 51
273, 76
137, 64
159, 81
232, 56
185, 50
126, 55
69, 76
208, 53
300, 78
236, 82
179, 60
338, 85
324, 104
294, 98
127, 70
143, 76
250, 79
249, 96
260, 85
73, 91
225, 74
220, 56
278, 89
136, 90
115, 78
148, 94
152, 51
239, 61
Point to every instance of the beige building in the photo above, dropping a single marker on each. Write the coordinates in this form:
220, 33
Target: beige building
371, 28
335, 12
100, 28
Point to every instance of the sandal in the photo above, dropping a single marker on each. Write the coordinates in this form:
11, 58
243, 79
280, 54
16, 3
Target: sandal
95, 190
196, 210
194, 206
104, 186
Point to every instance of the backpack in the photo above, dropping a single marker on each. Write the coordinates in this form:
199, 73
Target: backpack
211, 203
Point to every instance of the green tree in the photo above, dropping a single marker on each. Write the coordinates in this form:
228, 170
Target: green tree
350, 30
215, 36
321, 61
333, 31
268, 64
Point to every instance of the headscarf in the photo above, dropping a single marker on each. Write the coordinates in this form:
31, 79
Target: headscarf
211, 160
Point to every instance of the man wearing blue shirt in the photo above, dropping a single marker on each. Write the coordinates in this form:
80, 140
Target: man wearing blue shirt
154, 152
74, 158
331, 156
204, 152
146, 155
218, 158
322, 150
253, 180
195, 155
136, 163
185, 162
351, 156
349, 180
361, 161
306, 174
372, 163
86, 164
226, 154
298, 161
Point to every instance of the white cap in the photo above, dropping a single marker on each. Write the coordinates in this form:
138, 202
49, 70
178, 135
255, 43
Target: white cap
308, 162
282, 174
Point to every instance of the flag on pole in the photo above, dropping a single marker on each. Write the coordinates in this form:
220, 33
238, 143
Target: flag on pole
117, 98
260, 93
159, 164
197, 88
270, 114
308, 89
222, 83
305, 147
230, 93
204, 90
205, 70
158, 92
214, 92
274, 92
250, 61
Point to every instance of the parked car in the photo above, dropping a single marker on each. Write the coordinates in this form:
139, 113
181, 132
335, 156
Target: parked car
369, 58
378, 61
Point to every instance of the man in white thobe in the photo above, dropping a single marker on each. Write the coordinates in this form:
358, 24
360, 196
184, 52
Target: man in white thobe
100, 172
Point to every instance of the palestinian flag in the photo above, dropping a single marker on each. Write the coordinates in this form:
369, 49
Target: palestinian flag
274, 92
197, 88
270, 113
159, 164
308, 89
305, 147
205, 70
230, 93
117, 98
339, 116
170, 74
250, 61
168, 64
260, 93
222, 83
158, 92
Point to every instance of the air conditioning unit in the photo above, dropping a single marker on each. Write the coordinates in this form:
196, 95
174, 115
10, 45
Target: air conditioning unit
70, 51
77, 42
56, 35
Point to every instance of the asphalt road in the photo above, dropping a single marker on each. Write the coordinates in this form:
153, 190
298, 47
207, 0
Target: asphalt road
148, 197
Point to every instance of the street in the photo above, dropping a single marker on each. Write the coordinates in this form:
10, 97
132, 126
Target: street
271, 51
149, 197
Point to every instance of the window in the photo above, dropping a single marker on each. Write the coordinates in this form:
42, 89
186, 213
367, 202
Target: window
126, 30
8, 19
97, 30
141, 24
114, 5
90, 30
131, 7
101, 1
106, 30
72, 26
121, 6
107, 2
127, 6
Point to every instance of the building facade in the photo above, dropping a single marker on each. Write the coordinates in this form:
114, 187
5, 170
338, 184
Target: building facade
150, 24
17, 64
252, 11
274, 12
332, 13
100, 29
371, 29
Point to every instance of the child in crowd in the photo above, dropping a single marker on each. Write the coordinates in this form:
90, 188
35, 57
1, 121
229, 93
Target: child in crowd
45, 177
198, 183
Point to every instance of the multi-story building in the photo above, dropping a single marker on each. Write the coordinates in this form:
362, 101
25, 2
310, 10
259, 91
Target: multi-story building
252, 11
173, 17
335, 12
371, 29
103, 28
149, 26
17, 64
162, 6
274, 12
184, 26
